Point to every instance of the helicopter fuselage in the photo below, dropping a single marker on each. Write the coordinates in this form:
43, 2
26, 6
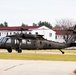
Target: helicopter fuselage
13, 43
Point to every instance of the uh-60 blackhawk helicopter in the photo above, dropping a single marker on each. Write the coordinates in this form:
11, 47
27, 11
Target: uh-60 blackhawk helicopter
35, 42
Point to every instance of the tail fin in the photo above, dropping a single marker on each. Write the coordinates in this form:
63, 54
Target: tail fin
72, 38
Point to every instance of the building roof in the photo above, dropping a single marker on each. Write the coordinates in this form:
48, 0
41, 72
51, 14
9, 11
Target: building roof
28, 28
18, 27
59, 31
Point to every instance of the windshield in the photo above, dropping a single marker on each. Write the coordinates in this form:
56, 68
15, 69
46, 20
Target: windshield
3, 40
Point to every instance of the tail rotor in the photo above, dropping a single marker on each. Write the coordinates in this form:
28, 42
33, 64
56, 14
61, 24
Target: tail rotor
72, 37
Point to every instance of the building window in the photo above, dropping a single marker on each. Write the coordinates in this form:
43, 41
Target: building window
7, 33
10, 33
14, 32
50, 34
36, 33
29, 32
56, 37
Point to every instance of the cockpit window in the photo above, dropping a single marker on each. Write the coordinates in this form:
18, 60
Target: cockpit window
8, 41
3, 40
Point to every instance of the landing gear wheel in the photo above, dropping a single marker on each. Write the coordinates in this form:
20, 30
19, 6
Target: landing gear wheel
19, 51
62, 52
9, 50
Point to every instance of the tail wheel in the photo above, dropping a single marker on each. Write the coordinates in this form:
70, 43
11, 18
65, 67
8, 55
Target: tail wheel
9, 50
19, 50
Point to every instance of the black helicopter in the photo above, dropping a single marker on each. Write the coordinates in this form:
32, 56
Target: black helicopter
35, 42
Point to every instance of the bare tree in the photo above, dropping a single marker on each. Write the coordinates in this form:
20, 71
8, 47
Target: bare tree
65, 23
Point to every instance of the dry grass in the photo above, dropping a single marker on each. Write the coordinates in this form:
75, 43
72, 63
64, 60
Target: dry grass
54, 55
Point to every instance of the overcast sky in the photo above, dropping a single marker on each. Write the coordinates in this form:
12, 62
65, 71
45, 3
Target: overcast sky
16, 12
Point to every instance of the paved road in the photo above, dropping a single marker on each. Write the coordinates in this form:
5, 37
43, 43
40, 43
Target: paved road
31, 67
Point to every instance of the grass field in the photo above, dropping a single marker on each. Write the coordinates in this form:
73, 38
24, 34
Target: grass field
54, 57
70, 55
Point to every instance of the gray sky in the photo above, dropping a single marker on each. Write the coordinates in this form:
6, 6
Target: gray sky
16, 12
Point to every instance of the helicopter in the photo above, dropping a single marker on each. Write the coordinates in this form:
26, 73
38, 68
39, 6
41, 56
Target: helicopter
34, 42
